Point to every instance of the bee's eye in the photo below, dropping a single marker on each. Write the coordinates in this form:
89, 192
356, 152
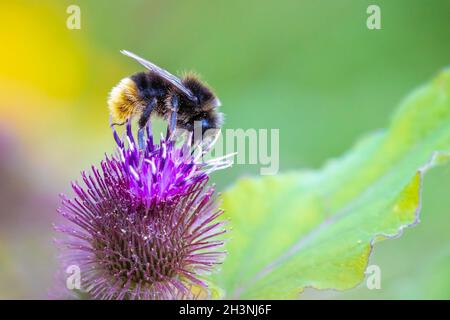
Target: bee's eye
205, 124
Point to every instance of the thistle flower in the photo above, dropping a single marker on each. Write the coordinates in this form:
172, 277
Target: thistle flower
145, 225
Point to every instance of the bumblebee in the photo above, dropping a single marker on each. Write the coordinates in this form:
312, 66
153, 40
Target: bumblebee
184, 102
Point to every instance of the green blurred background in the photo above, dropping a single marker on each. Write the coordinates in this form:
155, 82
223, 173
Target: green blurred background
310, 68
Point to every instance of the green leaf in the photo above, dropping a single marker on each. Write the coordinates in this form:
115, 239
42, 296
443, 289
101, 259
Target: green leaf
317, 228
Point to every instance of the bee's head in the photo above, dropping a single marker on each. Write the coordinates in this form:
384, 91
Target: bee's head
209, 120
201, 113
205, 99
206, 120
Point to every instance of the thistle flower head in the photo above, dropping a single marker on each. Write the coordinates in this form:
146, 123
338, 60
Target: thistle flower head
144, 225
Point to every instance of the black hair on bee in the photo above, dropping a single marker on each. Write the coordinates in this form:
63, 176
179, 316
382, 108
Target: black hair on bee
157, 92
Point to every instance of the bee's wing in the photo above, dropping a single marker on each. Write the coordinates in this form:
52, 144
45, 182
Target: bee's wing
163, 73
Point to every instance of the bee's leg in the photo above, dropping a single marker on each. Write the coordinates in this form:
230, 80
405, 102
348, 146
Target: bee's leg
173, 116
113, 124
143, 120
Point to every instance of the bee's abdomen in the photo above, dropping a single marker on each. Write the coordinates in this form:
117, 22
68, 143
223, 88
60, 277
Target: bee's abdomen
124, 100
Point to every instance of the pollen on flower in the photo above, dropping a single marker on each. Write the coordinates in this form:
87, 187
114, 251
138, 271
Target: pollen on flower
145, 225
